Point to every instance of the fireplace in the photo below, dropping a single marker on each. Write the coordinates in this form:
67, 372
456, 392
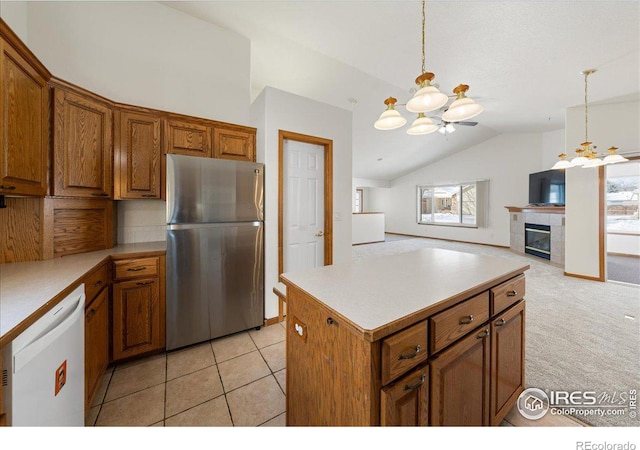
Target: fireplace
537, 240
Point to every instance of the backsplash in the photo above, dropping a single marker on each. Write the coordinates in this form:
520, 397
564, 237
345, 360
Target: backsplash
141, 221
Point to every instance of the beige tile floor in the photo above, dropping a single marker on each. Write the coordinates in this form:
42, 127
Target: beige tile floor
232, 381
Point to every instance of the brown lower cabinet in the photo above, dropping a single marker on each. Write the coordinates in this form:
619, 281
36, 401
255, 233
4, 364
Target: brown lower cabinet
460, 382
96, 344
138, 308
406, 402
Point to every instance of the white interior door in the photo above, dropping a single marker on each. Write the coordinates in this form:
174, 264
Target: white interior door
303, 203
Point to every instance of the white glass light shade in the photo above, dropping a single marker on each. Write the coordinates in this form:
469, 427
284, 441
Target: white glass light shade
593, 162
428, 98
422, 125
462, 109
612, 159
579, 161
562, 164
390, 120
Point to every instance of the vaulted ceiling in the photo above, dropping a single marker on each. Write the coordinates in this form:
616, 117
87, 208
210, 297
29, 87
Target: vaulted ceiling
521, 59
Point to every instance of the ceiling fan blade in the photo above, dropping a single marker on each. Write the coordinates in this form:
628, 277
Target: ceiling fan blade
471, 124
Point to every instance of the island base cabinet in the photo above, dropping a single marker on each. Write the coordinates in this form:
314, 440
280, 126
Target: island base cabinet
406, 402
507, 361
330, 383
460, 382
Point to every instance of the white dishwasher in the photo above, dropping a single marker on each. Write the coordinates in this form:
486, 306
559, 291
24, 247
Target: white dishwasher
44, 384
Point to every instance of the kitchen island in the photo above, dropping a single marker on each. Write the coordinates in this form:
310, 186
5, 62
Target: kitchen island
428, 337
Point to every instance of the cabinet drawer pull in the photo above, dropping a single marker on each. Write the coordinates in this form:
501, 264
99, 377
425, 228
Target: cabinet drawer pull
483, 335
9, 188
144, 283
467, 320
410, 387
97, 283
101, 194
512, 293
149, 195
91, 313
136, 269
410, 355
500, 322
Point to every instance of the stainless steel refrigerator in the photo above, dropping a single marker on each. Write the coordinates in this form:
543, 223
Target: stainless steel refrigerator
215, 248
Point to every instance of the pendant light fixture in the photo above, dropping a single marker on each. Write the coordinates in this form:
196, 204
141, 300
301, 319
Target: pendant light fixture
428, 98
586, 156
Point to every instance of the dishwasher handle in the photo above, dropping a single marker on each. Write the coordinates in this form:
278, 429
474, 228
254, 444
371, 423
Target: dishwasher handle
40, 343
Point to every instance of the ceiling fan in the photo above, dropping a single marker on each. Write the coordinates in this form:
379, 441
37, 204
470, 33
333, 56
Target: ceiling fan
448, 127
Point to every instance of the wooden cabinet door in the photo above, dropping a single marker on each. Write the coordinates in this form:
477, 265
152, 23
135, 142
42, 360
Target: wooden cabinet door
507, 361
82, 146
137, 167
23, 125
406, 402
96, 344
234, 143
136, 318
187, 138
459, 391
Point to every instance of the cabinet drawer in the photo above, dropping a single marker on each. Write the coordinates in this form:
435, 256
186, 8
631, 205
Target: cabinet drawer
134, 268
95, 282
449, 325
507, 294
403, 351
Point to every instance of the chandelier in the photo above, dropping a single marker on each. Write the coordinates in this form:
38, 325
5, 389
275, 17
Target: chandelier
428, 98
586, 155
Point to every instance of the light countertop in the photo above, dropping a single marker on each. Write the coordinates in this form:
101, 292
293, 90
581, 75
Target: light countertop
26, 288
375, 292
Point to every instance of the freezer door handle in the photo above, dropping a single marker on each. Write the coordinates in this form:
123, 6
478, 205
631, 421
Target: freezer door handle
40, 343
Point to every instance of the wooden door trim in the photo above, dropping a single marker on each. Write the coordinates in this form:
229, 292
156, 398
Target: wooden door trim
328, 192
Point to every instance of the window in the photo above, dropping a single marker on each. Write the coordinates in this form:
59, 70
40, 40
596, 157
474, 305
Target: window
460, 204
623, 200
359, 201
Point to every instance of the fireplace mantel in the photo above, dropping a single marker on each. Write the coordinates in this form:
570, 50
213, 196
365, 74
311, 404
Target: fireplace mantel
539, 209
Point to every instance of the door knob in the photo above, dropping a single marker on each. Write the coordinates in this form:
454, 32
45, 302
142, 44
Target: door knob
320, 233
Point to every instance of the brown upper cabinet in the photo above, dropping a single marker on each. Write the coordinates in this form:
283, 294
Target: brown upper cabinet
137, 162
23, 118
82, 145
237, 143
184, 137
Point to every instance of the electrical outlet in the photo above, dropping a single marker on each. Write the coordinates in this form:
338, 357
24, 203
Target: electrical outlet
300, 329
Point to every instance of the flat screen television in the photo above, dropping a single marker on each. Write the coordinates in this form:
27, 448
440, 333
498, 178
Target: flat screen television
547, 188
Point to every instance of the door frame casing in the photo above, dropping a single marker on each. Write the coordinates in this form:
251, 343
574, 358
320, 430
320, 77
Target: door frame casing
328, 192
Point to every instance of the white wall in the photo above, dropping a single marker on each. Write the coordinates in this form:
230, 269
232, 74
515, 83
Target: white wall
15, 15
553, 143
141, 221
613, 124
275, 110
371, 190
145, 54
506, 161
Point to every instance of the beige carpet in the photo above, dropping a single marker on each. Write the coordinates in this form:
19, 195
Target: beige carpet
577, 335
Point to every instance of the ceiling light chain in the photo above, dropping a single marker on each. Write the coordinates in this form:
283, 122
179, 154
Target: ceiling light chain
587, 156
428, 98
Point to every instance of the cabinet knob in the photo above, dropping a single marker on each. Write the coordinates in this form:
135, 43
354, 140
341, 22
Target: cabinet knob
512, 293
143, 283
97, 283
484, 334
410, 387
411, 355
466, 320
91, 313
500, 322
